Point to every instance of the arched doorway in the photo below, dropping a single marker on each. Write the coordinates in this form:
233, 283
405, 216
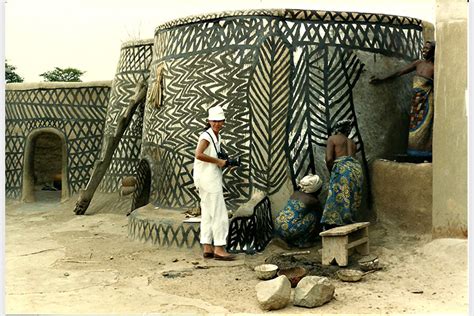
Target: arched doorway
45, 167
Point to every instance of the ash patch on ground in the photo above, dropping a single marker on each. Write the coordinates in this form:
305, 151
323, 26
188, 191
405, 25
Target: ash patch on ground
312, 265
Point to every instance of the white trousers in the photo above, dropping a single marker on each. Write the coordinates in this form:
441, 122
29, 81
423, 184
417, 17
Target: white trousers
214, 218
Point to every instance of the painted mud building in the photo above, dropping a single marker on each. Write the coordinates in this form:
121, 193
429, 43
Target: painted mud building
284, 78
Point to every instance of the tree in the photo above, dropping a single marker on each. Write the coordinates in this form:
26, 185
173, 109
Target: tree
11, 75
63, 74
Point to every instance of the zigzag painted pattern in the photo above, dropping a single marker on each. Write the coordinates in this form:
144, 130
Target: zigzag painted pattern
390, 35
313, 15
188, 85
133, 67
293, 73
396, 40
162, 234
240, 32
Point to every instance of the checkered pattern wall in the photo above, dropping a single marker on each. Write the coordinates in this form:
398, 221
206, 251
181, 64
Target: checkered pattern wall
75, 111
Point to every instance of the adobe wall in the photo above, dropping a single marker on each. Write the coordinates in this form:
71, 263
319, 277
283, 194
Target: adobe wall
284, 78
73, 111
402, 195
133, 67
450, 120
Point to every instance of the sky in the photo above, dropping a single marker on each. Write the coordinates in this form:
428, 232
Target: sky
87, 34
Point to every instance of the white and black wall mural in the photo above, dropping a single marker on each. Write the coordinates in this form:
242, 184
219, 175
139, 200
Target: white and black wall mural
321, 85
268, 99
133, 66
283, 77
74, 112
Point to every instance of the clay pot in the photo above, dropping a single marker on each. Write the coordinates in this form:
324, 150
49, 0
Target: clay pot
129, 181
266, 271
293, 274
349, 275
369, 263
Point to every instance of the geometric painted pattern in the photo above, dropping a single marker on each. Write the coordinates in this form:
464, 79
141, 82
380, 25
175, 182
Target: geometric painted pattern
380, 33
133, 67
269, 95
321, 83
252, 233
176, 125
162, 234
248, 234
76, 111
283, 77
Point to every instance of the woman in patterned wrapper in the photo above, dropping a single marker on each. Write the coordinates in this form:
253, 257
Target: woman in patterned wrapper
297, 224
421, 112
207, 176
345, 184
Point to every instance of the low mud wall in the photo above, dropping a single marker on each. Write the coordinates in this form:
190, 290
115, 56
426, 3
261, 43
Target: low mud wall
402, 195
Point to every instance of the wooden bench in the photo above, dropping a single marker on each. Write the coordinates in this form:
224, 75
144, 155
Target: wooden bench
338, 241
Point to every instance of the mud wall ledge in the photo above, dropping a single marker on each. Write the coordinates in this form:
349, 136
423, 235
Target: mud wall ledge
402, 195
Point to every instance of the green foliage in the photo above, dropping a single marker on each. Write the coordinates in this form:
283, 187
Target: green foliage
63, 74
11, 75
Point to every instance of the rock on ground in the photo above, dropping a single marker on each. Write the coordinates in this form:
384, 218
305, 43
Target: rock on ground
274, 294
313, 291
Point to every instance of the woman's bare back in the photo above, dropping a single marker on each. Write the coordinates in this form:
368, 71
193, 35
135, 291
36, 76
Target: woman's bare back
343, 146
337, 146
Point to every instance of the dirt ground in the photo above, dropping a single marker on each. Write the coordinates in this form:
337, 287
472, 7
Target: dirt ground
57, 262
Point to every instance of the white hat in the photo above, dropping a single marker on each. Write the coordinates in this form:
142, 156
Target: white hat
310, 183
216, 113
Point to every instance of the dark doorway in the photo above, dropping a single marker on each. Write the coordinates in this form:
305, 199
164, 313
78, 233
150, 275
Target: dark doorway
141, 196
45, 167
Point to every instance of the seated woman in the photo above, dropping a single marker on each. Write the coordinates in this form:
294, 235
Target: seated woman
298, 223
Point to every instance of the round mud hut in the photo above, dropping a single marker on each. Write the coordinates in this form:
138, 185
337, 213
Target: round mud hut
284, 78
133, 67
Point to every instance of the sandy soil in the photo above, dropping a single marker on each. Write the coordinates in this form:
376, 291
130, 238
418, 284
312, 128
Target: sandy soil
57, 262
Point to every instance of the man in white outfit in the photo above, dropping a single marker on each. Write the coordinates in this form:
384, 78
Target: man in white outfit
208, 180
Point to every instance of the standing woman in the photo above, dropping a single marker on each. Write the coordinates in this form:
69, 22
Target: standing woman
208, 181
420, 132
345, 185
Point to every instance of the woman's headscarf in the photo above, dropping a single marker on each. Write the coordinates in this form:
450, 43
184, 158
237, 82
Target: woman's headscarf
310, 183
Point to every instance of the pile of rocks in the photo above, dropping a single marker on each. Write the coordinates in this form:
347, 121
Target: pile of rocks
311, 291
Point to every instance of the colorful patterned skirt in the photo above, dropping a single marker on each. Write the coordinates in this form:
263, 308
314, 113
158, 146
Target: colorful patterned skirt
421, 117
345, 192
296, 224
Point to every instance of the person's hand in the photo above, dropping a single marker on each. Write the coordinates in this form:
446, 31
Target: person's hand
221, 163
375, 80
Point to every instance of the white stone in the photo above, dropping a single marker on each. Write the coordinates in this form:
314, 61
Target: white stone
313, 291
273, 294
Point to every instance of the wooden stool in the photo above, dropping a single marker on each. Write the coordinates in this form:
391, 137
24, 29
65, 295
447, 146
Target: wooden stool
337, 242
